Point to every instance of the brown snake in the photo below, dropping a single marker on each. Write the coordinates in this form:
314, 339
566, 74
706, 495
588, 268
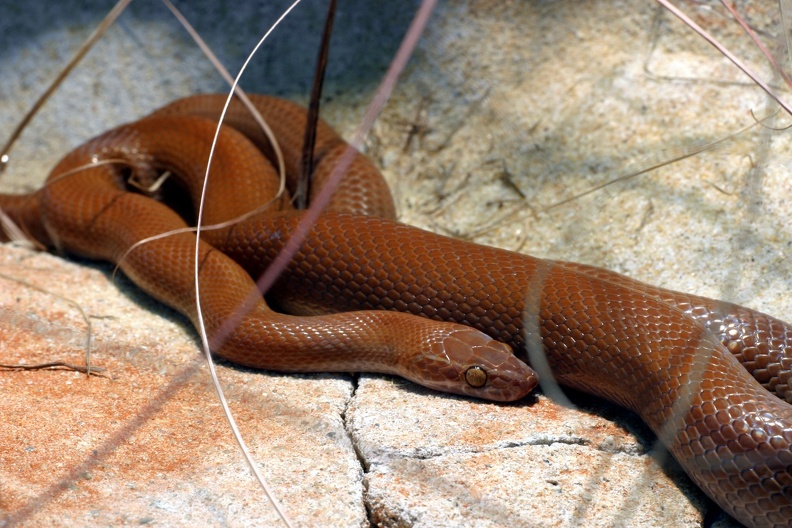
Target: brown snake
670, 357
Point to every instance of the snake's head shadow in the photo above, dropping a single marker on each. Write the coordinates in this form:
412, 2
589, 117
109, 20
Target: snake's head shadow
468, 362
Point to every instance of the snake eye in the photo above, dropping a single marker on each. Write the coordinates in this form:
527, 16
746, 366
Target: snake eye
476, 376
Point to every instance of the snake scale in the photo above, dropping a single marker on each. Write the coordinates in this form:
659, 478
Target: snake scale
366, 293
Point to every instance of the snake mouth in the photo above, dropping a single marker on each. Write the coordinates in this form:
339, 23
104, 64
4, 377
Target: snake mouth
509, 381
502, 385
510, 384
493, 371
468, 362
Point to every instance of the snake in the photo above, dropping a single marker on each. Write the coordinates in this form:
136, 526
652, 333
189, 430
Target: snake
365, 293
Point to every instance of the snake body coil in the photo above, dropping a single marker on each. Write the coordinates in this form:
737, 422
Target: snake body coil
683, 363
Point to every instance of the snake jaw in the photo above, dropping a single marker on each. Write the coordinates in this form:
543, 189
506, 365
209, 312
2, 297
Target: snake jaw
470, 363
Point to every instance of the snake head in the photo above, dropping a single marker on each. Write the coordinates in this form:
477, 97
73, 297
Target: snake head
468, 362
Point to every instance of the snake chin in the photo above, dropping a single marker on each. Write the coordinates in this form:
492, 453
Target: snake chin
468, 362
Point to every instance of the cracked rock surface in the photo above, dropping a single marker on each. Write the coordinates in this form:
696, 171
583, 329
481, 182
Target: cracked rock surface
507, 108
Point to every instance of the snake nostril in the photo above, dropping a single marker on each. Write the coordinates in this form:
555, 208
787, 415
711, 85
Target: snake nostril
476, 376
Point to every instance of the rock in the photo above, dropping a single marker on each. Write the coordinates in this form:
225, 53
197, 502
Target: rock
506, 109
